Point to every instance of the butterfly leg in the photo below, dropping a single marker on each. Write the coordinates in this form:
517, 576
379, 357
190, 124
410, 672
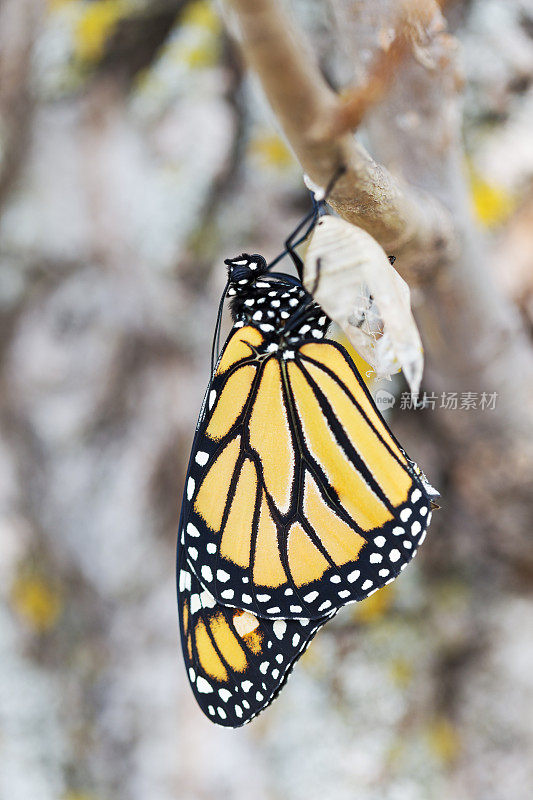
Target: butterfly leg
291, 244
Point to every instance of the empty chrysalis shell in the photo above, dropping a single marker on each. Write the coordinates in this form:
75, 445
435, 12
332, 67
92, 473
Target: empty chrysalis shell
350, 276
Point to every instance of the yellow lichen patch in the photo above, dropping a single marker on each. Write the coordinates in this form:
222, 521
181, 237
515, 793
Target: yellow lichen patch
401, 672
37, 601
373, 608
443, 740
200, 56
395, 754
53, 5
271, 151
96, 25
202, 14
492, 204
197, 44
75, 795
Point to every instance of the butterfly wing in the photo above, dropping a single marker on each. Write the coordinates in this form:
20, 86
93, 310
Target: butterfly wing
236, 662
298, 498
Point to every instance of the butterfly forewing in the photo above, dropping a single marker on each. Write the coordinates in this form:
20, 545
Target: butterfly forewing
298, 498
236, 661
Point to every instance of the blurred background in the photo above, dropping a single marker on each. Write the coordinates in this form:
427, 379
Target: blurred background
135, 155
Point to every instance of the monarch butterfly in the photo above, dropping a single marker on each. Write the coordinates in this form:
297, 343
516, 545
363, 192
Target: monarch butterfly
298, 498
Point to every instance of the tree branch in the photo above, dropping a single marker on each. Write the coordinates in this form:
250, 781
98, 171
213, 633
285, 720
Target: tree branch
406, 221
18, 23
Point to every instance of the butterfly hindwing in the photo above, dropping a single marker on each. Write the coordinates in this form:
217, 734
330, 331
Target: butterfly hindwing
236, 662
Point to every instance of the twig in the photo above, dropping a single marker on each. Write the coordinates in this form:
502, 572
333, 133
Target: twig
405, 220
417, 21
19, 20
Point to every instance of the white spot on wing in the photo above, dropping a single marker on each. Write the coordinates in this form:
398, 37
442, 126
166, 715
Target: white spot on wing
195, 603
203, 686
279, 628
206, 573
212, 398
207, 599
201, 458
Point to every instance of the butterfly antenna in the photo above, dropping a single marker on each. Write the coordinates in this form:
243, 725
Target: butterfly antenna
290, 244
215, 347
